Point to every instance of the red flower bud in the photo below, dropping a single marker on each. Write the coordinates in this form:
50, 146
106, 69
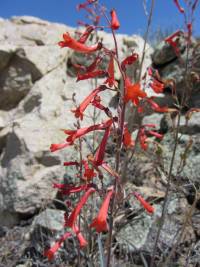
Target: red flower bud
50, 253
77, 46
114, 20
127, 140
111, 77
92, 74
144, 203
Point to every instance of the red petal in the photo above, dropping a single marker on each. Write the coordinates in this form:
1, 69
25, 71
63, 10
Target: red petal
92, 74
80, 237
156, 107
55, 147
50, 253
86, 34
99, 156
144, 203
129, 60
127, 139
133, 92
79, 111
100, 222
111, 78
72, 218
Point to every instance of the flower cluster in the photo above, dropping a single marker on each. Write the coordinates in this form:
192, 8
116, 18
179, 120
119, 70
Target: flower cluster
92, 166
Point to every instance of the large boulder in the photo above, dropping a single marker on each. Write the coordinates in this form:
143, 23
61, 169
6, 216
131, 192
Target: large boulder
36, 100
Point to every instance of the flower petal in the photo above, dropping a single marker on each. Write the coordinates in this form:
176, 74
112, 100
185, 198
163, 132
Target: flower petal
72, 218
100, 222
70, 42
50, 253
144, 203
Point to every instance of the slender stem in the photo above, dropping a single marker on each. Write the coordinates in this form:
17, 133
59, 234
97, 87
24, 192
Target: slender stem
146, 36
187, 218
81, 173
166, 193
101, 254
121, 114
183, 98
131, 153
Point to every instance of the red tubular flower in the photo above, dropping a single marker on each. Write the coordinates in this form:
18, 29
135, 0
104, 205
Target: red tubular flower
114, 20
127, 140
111, 77
55, 147
79, 111
170, 41
100, 222
144, 203
133, 92
97, 103
74, 134
143, 133
86, 34
50, 253
129, 60
77, 46
72, 218
178, 6
92, 74
80, 237
174, 35
156, 107
99, 156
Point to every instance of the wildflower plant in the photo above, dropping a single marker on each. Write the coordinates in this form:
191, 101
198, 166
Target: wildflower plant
93, 167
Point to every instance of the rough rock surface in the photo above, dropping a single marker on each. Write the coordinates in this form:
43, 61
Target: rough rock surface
172, 65
183, 68
36, 87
